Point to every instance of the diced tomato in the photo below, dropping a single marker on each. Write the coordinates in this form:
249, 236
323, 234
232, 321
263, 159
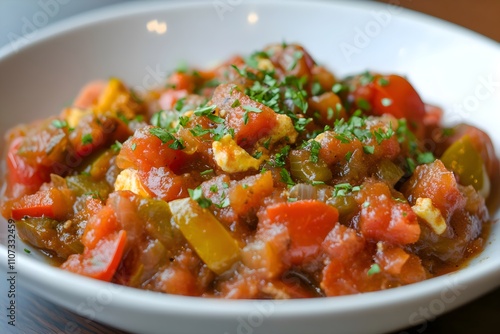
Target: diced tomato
144, 151
93, 133
89, 94
164, 184
169, 98
101, 261
23, 177
291, 59
391, 259
182, 81
257, 126
433, 116
392, 94
383, 218
99, 226
52, 203
308, 224
333, 149
434, 181
343, 243
329, 108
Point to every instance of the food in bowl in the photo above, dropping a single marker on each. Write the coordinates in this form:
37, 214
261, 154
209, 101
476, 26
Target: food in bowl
264, 177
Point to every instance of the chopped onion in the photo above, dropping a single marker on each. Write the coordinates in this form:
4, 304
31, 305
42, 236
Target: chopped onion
303, 191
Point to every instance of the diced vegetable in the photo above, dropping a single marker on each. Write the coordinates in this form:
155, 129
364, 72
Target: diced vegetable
384, 218
258, 122
303, 168
247, 196
144, 151
308, 223
53, 203
211, 241
101, 261
47, 234
466, 162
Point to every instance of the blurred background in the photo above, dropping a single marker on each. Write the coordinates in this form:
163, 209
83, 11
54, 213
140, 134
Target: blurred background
21, 17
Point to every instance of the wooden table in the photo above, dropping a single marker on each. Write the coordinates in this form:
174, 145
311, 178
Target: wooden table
35, 315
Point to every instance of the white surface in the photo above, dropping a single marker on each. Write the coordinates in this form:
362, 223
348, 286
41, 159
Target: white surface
42, 77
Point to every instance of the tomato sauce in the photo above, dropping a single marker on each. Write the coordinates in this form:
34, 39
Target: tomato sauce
264, 177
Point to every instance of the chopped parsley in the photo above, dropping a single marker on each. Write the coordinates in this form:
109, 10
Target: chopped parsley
280, 157
316, 89
381, 135
368, 149
59, 123
366, 78
117, 146
183, 120
165, 136
252, 109
382, 81
338, 87
348, 156
317, 183
386, 102
363, 104
425, 158
297, 55
342, 189
197, 195
87, 139
247, 110
208, 111
374, 269
314, 147
236, 103
257, 154
286, 178
164, 119
206, 172
198, 131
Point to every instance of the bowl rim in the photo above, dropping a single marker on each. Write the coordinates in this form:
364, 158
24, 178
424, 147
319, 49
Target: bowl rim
211, 306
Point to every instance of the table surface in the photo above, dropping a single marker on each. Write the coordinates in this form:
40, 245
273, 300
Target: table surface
36, 315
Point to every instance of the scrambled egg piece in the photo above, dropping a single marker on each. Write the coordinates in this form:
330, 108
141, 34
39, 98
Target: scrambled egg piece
264, 64
129, 180
430, 214
73, 116
283, 129
231, 158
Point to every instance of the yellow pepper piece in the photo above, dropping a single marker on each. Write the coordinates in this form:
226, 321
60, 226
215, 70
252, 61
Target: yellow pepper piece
211, 241
109, 95
116, 98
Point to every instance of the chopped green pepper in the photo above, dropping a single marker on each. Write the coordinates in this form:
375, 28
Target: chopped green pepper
466, 162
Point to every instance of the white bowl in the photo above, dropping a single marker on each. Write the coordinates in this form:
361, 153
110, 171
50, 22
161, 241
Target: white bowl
139, 42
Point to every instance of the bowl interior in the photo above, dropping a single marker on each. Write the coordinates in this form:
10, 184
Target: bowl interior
450, 67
